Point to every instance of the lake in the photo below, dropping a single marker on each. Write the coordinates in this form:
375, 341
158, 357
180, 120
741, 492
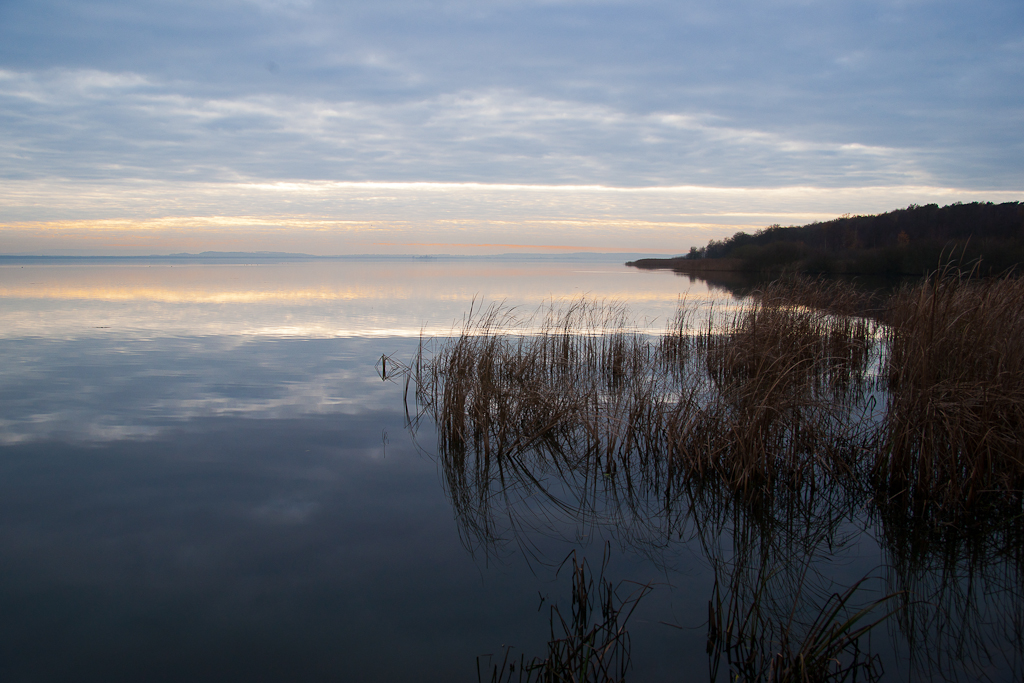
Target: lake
204, 476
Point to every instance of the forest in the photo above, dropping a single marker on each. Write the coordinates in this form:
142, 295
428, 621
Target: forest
910, 241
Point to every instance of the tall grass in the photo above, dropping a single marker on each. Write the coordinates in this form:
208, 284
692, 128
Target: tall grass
953, 438
784, 379
774, 421
761, 646
775, 394
759, 401
518, 399
590, 644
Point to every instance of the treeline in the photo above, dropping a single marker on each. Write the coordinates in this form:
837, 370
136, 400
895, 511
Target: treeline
907, 241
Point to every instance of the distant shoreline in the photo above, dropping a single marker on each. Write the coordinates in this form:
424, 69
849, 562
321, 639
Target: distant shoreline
984, 238
284, 257
686, 265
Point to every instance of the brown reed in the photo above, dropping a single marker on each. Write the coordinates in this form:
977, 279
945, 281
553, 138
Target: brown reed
761, 402
776, 414
772, 397
591, 643
953, 437
785, 377
760, 646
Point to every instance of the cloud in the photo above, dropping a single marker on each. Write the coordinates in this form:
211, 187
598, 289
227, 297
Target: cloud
330, 217
139, 126
124, 103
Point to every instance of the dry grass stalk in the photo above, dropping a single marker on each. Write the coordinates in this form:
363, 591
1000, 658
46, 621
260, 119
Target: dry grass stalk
591, 645
762, 405
761, 646
769, 416
955, 411
785, 380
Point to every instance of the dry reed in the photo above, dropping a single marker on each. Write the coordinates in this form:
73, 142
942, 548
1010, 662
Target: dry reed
780, 394
786, 380
952, 439
768, 422
762, 403
761, 646
591, 644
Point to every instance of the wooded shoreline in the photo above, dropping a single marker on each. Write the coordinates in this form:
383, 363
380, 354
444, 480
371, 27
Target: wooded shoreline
985, 237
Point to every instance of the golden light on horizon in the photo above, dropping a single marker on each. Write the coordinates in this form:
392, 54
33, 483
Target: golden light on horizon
321, 299
337, 218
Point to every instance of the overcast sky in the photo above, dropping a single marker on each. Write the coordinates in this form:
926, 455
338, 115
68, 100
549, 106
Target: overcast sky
414, 116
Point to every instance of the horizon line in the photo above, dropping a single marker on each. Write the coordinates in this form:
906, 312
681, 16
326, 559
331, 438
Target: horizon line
302, 255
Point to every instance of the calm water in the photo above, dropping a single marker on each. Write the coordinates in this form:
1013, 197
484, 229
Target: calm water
204, 477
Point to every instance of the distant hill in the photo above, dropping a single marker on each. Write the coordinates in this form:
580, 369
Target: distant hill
242, 255
906, 241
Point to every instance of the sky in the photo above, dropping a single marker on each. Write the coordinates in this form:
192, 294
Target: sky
410, 126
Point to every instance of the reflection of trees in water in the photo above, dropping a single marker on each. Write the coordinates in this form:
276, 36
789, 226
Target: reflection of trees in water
746, 436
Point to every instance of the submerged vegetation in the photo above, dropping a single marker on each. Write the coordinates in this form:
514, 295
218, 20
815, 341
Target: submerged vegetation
773, 423
590, 644
760, 646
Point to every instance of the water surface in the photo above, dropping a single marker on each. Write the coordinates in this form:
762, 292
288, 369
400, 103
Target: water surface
203, 476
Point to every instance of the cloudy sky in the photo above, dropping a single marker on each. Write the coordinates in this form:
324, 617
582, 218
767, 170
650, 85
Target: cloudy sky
482, 126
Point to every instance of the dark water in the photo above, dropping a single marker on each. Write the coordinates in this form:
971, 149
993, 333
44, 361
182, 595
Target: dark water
204, 477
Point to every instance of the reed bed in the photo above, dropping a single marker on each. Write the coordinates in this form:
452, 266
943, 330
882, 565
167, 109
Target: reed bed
589, 644
953, 439
773, 423
758, 644
786, 381
923, 405
761, 403
519, 400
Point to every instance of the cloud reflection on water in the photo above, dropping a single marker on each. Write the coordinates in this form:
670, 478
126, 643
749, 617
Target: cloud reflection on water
96, 390
100, 353
317, 299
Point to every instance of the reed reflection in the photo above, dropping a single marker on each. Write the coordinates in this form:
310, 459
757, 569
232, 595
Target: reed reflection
753, 439
962, 610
